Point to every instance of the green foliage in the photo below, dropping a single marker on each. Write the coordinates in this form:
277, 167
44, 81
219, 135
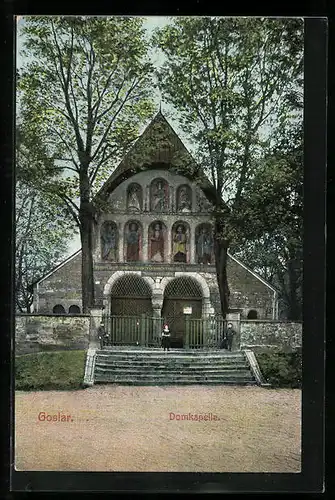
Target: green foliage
83, 94
281, 369
273, 220
42, 235
235, 83
61, 370
228, 78
43, 228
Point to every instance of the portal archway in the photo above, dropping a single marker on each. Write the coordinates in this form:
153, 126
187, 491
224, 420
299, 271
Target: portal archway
183, 298
131, 296
131, 310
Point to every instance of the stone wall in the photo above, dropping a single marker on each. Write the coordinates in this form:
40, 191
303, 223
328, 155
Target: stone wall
35, 333
270, 335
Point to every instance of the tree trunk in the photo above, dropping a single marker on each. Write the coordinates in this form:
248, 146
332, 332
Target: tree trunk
86, 236
221, 254
87, 261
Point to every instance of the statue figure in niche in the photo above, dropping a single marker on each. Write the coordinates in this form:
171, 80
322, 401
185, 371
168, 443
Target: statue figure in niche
133, 243
157, 244
134, 198
179, 245
184, 200
204, 246
109, 241
159, 197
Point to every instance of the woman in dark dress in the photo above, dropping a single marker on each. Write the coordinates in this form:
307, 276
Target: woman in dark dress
166, 338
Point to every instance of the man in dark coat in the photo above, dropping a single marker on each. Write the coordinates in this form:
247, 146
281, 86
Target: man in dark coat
102, 335
230, 336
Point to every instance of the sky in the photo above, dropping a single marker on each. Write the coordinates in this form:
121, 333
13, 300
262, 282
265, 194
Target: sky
150, 24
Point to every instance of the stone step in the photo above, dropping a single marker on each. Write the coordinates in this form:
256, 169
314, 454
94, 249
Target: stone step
176, 382
177, 352
172, 376
141, 366
169, 355
168, 369
171, 366
171, 363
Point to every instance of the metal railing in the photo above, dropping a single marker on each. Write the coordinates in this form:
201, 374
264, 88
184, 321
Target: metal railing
146, 331
204, 333
134, 330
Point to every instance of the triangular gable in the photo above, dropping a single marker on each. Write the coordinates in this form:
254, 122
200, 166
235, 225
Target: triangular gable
256, 275
158, 144
53, 270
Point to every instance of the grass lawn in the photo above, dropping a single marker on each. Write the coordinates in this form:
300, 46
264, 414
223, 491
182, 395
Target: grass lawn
50, 370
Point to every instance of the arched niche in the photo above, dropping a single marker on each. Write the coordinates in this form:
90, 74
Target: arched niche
252, 314
184, 199
58, 309
133, 235
109, 240
157, 242
134, 197
159, 195
74, 309
204, 244
180, 239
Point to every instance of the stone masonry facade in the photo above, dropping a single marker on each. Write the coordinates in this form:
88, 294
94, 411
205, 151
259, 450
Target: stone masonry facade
146, 203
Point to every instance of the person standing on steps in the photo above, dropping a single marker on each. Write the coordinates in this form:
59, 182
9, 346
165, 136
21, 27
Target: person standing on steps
230, 336
102, 335
166, 337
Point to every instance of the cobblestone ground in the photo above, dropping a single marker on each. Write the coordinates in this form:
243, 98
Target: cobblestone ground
114, 428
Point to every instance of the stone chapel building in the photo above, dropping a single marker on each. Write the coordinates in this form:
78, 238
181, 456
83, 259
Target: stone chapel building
153, 245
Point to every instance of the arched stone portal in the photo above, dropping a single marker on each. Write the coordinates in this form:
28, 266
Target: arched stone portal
130, 307
183, 298
130, 296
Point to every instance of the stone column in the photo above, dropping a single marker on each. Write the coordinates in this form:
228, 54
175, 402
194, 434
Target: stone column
192, 245
96, 242
147, 198
96, 318
194, 201
235, 319
169, 242
172, 200
157, 304
145, 242
206, 310
121, 242
206, 307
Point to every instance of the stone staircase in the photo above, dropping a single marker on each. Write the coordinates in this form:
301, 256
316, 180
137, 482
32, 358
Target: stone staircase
176, 367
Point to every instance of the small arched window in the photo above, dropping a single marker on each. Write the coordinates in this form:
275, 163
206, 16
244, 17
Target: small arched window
252, 314
74, 309
58, 309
